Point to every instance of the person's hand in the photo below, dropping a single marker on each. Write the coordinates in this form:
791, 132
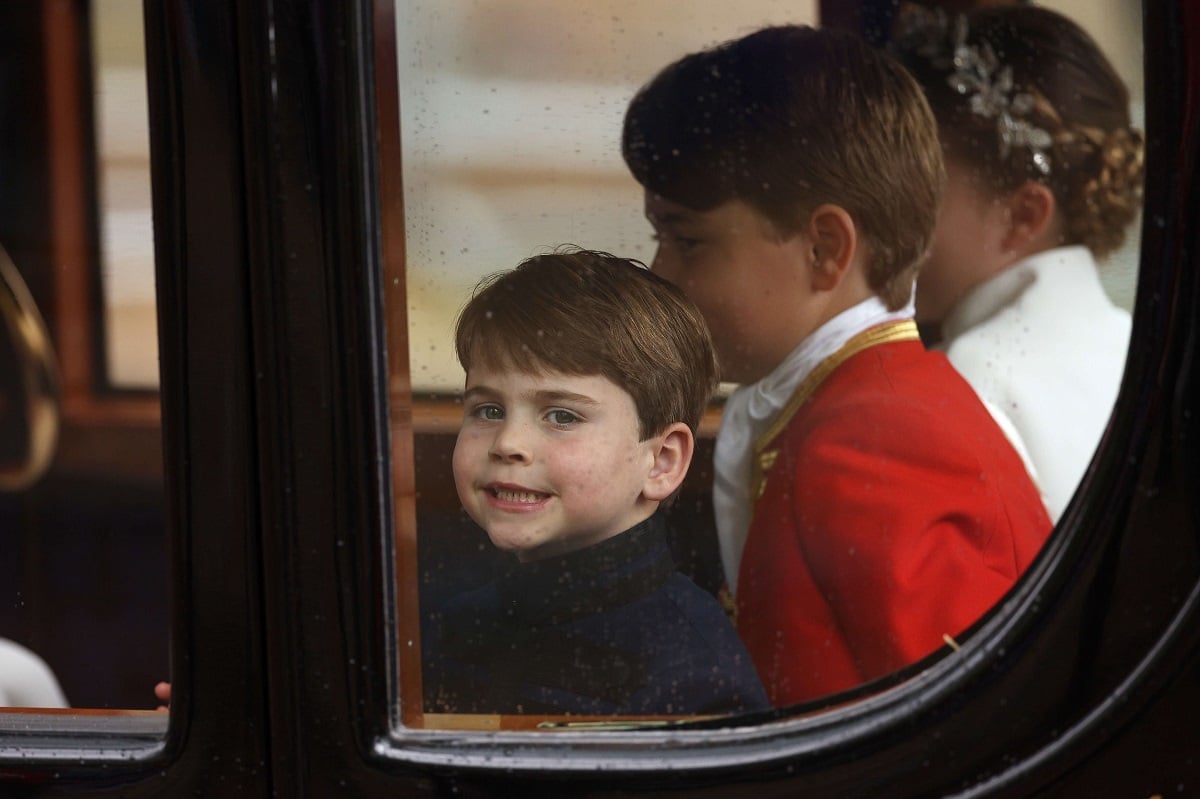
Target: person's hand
163, 692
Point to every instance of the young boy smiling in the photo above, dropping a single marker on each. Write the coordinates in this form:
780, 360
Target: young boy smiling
586, 376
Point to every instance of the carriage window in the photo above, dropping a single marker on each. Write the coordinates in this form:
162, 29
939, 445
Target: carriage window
81, 493
509, 145
510, 148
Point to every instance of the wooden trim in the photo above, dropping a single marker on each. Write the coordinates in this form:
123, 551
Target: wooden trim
80, 711
111, 437
492, 722
72, 255
401, 411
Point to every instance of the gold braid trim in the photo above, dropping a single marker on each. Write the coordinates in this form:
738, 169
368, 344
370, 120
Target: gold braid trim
905, 330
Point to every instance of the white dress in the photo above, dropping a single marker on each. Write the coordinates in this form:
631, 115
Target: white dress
1042, 343
26, 680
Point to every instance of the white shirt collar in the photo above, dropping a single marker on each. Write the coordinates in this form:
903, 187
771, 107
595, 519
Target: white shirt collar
751, 409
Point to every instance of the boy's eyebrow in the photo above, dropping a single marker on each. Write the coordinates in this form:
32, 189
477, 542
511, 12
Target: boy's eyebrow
564, 396
668, 217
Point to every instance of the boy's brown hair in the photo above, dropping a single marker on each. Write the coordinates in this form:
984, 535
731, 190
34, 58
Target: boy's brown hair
786, 119
583, 312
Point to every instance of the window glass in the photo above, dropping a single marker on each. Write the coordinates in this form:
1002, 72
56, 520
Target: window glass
510, 124
84, 621
1117, 29
123, 152
511, 142
510, 119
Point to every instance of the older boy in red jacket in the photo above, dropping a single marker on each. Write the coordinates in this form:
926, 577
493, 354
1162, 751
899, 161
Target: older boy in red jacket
868, 506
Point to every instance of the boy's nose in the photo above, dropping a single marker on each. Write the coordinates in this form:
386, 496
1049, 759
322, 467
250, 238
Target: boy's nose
511, 444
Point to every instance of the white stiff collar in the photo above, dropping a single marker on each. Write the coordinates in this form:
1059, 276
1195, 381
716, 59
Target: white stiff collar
1002, 289
750, 410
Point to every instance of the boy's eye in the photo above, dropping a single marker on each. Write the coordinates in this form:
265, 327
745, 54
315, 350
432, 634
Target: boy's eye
674, 241
562, 417
490, 413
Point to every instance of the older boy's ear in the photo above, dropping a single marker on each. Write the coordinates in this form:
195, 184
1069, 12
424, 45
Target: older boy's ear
835, 242
1032, 216
672, 455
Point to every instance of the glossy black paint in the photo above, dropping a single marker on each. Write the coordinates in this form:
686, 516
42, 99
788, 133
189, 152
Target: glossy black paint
1083, 683
217, 742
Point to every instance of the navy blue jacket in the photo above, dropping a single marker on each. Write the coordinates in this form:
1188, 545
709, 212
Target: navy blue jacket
612, 629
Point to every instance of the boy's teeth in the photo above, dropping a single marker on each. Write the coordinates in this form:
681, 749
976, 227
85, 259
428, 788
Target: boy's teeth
517, 496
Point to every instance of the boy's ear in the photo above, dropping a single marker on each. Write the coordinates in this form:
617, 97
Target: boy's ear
672, 456
835, 243
1031, 211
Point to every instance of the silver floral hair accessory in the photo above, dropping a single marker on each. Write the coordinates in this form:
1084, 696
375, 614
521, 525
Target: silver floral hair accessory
977, 74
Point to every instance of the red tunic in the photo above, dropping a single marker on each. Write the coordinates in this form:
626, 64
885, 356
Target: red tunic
894, 512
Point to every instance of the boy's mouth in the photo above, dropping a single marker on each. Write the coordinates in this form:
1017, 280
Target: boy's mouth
519, 496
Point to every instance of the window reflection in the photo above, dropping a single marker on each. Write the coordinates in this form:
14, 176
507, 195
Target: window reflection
510, 127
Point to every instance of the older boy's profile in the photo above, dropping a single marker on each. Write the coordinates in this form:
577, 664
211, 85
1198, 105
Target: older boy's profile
868, 505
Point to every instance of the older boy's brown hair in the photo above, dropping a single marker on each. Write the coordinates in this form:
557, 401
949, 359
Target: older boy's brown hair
583, 312
786, 119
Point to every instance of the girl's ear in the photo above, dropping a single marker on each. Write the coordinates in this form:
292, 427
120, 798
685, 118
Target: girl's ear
672, 450
835, 242
1032, 214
